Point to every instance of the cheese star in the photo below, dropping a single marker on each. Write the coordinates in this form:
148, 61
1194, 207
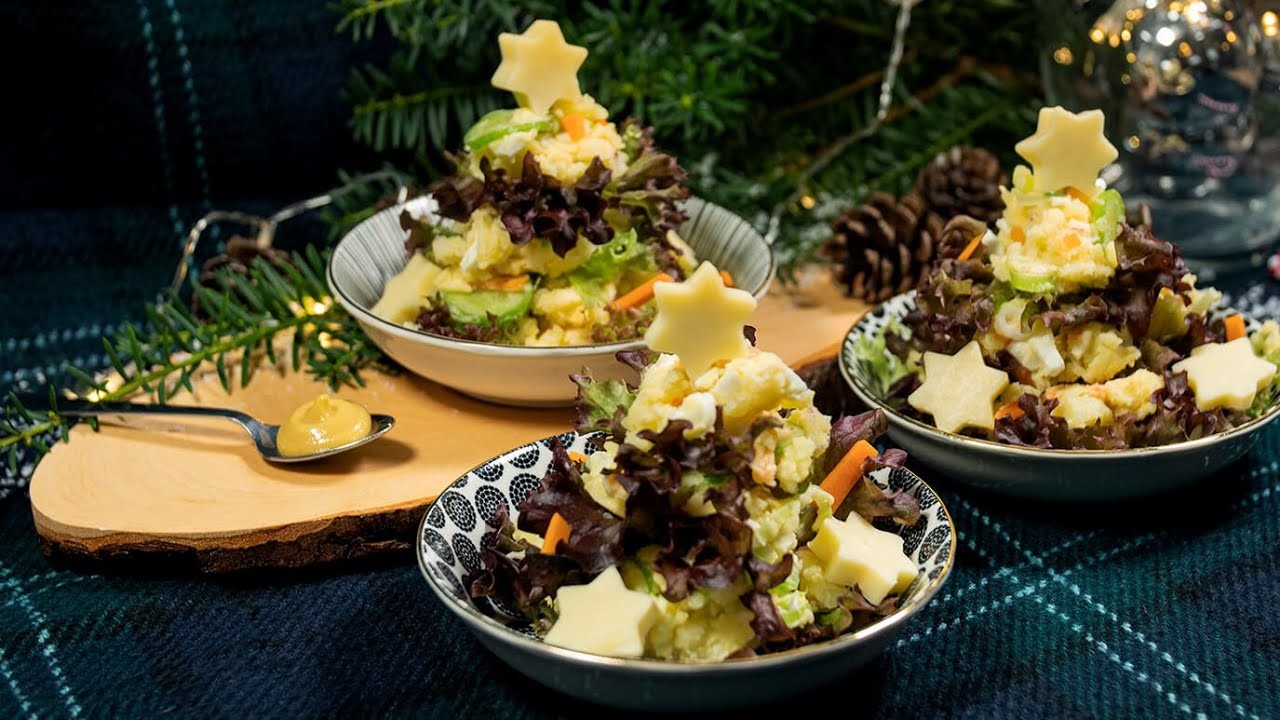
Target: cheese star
1225, 375
1067, 150
700, 320
853, 552
959, 390
539, 66
603, 617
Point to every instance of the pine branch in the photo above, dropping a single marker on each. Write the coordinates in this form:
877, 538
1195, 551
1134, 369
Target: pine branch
247, 316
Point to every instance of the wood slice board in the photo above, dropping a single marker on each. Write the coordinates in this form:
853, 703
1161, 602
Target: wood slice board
201, 497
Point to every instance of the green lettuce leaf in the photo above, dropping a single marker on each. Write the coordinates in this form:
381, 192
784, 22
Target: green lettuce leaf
599, 401
880, 367
625, 253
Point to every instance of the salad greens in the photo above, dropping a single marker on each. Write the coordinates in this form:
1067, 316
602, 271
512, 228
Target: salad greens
660, 545
956, 303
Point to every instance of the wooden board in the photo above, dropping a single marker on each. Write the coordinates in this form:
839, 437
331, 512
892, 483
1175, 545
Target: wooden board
201, 496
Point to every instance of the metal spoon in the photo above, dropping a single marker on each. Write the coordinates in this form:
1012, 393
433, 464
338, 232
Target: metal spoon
264, 435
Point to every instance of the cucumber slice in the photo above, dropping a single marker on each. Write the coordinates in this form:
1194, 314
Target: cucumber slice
496, 125
1032, 283
1108, 213
476, 308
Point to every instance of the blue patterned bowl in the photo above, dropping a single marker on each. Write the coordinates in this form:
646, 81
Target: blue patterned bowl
460, 519
373, 252
1060, 475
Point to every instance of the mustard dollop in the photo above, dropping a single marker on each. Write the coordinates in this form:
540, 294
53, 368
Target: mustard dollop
321, 424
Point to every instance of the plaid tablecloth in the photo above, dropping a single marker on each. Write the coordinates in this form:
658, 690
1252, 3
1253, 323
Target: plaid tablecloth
1165, 608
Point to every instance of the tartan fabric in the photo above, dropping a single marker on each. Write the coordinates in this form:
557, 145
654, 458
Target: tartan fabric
169, 108
1162, 609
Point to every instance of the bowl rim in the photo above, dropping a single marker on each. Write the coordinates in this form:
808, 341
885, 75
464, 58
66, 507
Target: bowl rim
482, 623
853, 379
366, 316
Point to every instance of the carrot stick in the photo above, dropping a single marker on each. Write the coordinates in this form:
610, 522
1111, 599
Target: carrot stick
1235, 327
506, 283
842, 477
1011, 409
1079, 195
639, 295
557, 531
577, 457
727, 278
575, 125
969, 249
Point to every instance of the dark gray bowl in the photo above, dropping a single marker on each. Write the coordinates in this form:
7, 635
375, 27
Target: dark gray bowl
1073, 475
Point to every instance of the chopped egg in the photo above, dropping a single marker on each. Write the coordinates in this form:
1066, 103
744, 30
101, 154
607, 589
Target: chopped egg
748, 386
1095, 353
1050, 238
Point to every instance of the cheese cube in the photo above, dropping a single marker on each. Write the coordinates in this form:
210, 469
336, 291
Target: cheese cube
603, 617
855, 553
407, 292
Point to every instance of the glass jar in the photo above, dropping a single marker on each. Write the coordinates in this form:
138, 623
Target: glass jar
1191, 90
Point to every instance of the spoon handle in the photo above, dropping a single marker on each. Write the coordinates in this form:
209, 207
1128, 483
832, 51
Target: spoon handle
123, 410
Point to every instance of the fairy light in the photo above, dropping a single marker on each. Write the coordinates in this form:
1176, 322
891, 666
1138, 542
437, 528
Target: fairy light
808, 202
1097, 35
325, 339
1063, 55
1270, 23
310, 306
98, 394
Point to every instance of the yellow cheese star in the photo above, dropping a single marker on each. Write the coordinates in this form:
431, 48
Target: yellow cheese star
1225, 375
1067, 150
853, 552
603, 617
539, 66
959, 390
700, 320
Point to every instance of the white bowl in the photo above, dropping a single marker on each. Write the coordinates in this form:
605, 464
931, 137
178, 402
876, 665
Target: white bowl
373, 252
1071, 475
458, 522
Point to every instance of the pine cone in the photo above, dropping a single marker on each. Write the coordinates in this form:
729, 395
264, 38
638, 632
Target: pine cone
963, 181
882, 247
958, 233
238, 256
1137, 215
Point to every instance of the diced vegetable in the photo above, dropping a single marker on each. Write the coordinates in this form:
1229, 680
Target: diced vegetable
1009, 409
557, 532
506, 283
577, 457
1234, 325
623, 254
1079, 194
485, 307
727, 278
969, 249
641, 294
575, 125
498, 124
1032, 283
1108, 213
848, 471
